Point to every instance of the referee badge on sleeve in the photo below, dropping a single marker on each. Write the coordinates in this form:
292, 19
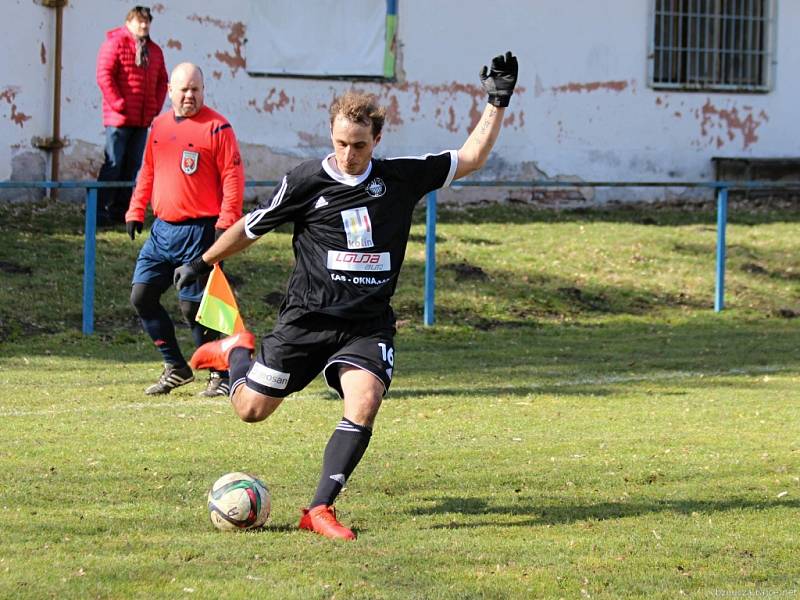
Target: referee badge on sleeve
189, 161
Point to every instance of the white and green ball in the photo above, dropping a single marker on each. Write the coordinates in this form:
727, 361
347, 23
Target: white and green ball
238, 501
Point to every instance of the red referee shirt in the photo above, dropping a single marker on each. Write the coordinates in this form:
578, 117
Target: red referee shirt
191, 168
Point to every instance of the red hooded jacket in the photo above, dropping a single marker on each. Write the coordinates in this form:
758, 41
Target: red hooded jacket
132, 96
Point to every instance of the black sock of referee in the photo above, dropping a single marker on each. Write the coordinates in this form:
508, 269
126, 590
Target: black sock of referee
238, 364
342, 454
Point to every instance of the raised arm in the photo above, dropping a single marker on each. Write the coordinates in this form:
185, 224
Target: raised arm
499, 82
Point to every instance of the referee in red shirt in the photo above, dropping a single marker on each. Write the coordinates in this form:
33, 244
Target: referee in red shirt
192, 177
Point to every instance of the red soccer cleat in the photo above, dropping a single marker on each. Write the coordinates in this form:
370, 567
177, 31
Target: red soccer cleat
214, 355
322, 520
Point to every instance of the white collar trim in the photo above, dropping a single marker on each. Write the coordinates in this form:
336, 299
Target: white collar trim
329, 166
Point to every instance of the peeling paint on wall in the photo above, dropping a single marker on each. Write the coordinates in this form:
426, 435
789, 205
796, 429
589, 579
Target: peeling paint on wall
9, 94
593, 86
235, 36
174, 44
43, 54
281, 101
719, 126
448, 98
445, 117
18, 117
393, 117
275, 100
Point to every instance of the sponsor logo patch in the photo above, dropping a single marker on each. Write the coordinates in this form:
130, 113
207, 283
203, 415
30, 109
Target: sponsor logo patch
359, 261
189, 161
358, 228
376, 188
269, 377
320, 202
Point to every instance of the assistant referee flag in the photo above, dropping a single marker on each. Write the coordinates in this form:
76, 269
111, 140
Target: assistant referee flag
218, 309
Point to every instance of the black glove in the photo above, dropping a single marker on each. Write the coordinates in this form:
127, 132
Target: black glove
499, 81
133, 227
218, 232
191, 272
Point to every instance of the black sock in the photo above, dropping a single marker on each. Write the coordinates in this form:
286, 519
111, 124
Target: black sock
159, 327
238, 364
342, 454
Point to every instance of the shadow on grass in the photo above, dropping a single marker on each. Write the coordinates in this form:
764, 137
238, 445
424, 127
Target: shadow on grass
530, 338
540, 360
565, 513
592, 361
493, 391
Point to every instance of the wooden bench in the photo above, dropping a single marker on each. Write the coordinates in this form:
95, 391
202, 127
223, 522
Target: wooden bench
758, 169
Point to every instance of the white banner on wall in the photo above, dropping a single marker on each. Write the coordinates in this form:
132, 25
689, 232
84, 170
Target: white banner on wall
317, 38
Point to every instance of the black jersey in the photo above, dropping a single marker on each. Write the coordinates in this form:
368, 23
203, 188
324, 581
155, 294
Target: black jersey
350, 233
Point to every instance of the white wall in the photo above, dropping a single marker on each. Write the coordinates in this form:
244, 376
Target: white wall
583, 109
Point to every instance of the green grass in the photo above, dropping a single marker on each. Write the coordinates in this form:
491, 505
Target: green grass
579, 423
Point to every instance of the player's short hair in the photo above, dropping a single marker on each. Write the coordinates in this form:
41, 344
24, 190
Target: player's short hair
359, 108
140, 12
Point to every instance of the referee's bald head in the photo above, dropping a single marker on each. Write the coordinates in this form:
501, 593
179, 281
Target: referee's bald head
186, 89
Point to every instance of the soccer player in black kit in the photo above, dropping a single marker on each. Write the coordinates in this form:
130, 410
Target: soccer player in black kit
352, 215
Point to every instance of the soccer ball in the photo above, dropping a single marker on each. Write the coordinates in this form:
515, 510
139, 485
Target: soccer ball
238, 501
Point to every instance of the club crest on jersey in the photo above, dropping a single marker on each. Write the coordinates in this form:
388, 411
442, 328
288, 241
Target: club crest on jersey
358, 228
376, 188
189, 161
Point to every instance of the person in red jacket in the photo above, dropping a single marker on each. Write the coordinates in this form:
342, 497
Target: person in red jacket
193, 178
133, 81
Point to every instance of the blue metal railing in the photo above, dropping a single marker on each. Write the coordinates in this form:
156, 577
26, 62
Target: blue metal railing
721, 188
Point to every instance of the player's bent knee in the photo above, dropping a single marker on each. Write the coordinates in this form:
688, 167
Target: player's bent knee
363, 414
250, 414
363, 409
254, 408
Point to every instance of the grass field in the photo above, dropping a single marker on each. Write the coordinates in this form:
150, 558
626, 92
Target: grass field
578, 424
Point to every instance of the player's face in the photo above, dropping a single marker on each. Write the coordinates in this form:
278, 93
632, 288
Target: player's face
352, 145
138, 26
186, 92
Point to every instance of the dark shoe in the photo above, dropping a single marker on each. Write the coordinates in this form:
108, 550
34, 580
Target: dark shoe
171, 377
217, 386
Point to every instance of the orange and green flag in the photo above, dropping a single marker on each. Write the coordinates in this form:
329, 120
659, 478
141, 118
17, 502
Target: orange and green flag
218, 309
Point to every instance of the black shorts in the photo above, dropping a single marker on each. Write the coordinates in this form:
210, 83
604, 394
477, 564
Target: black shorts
295, 353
